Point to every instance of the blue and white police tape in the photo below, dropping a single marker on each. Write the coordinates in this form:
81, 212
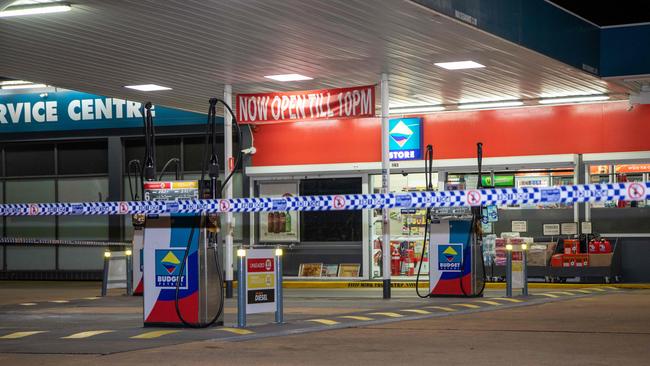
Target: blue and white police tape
472, 197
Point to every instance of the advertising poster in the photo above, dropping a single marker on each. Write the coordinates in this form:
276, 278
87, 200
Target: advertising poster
279, 226
260, 281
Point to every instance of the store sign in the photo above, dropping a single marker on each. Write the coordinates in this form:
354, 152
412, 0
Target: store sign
499, 181
260, 281
340, 103
71, 110
405, 138
450, 257
632, 168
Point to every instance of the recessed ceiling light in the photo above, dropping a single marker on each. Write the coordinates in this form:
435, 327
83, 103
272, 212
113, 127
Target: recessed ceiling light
15, 11
24, 86
575, 99
415, 109
147, 87
459, 65
511, 103
288, 77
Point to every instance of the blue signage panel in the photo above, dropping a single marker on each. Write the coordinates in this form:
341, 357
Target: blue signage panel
405, 135
71, 110
450, 257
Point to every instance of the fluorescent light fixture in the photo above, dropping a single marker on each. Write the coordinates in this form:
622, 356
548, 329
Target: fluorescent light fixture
24, 86
415, 109
575, 99
459, 65
147, 87
15, 11
510, 103
14, 82
288, 77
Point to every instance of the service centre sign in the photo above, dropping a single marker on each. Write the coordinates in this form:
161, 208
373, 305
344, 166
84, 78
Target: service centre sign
71, 110
340, 103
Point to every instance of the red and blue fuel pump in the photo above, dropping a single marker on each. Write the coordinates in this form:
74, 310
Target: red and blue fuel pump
453, 235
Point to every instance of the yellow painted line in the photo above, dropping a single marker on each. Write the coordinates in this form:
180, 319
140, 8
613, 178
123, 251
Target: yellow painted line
610, 287
17, 335
28, 304
356, 317
88, 334
443, 308
91, 298
417, 311
59, 301
324, 321
547, 295
508, 299
596, 289
583, 291
562, 293
424, 284
154, 334
236, 330
470, 306
388, 314
494, 303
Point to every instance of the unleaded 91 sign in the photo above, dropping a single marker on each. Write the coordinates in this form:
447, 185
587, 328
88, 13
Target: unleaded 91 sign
306, 105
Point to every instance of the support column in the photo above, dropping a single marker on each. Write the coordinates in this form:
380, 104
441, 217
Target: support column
385, 185
227, 133
578, 178
115, 187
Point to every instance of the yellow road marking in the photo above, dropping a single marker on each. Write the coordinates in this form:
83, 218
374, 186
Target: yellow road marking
388, 314
236, 330
610, 287
59, 301
17, 335
87, 334
489, 302
583, 291
470, 306
154, 334
324, 321
443, 308
417, 311
508, 299
596, 289
547, 295
355, 317
28, 304
91, 298
562, 293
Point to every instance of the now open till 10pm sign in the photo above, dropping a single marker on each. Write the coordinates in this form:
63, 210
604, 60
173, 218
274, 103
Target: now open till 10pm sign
355, 102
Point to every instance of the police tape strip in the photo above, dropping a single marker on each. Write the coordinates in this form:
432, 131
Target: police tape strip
472, 197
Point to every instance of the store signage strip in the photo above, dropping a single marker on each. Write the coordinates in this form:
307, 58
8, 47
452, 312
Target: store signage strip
474, 197
355, 102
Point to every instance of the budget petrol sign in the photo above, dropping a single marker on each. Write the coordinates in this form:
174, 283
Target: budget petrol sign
405, 138
71, 110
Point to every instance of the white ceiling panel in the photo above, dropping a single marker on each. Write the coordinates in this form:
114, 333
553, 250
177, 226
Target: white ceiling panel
196, 46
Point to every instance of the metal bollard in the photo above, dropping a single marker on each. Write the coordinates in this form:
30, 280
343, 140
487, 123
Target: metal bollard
129, 271
107, 258
524, 254
509, 270
279, 311
241, 289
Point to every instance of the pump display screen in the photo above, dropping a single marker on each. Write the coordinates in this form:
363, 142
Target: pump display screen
169, 191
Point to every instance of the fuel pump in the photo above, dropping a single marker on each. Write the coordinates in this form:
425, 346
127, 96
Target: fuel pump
453, 237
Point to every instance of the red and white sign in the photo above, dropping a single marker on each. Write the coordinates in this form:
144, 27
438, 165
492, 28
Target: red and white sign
123, 208
636, 191
340, 103
224, 206
157, 185
473, 198
339, 202
260, 265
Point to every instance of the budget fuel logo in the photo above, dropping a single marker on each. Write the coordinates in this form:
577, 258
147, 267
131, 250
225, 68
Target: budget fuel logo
168, 267
450, 257
405, 138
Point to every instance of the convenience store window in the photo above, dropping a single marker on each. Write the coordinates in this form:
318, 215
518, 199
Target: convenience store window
620, 173
406, 229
